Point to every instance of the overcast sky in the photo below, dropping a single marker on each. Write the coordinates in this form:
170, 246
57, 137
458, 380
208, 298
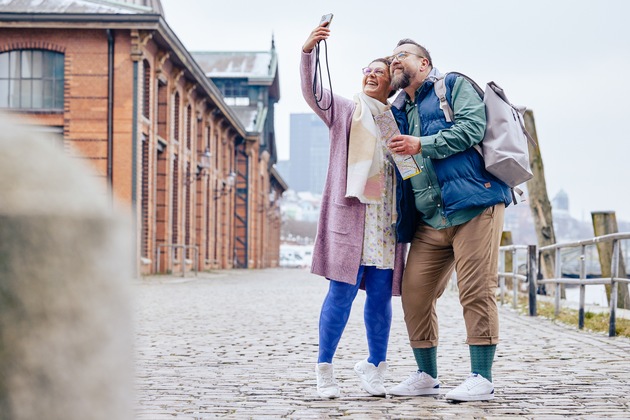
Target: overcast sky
567, 60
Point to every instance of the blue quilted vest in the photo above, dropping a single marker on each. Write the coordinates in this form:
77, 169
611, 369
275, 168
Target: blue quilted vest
463, 179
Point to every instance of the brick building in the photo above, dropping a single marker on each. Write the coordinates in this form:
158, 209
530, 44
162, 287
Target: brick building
112, 84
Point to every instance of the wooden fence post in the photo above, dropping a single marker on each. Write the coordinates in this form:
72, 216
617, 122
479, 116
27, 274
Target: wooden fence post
539, 200
506, 239
604, 223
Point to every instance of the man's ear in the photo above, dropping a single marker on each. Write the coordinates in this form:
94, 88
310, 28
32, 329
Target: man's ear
424, 65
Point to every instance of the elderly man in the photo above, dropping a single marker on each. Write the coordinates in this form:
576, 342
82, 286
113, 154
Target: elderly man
453, 214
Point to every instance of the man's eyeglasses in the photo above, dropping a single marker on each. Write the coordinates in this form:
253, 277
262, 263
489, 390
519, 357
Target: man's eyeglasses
401, 56
377, 71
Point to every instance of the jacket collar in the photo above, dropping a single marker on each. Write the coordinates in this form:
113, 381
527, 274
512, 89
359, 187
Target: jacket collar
399, 101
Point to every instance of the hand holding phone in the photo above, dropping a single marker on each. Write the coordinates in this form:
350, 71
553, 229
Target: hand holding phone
326, 19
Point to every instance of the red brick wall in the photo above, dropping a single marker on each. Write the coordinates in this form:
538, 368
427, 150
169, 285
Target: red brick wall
205, 216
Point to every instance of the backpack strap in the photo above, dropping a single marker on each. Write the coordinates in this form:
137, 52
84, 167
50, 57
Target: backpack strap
440, 90
517, 191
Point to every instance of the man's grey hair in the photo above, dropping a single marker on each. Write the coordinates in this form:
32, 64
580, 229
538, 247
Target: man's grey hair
423, 50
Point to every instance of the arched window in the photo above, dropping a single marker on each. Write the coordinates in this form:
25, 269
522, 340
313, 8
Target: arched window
31, 79
146, 90
176, 116
188, 127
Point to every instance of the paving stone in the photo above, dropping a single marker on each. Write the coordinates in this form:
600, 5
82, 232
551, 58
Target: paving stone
243, 344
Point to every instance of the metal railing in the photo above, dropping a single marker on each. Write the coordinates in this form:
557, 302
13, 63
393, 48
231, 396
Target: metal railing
582, 281
534, 254
173, 247
529, 277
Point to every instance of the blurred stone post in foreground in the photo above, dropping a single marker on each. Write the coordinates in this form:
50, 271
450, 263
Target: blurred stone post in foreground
66, 333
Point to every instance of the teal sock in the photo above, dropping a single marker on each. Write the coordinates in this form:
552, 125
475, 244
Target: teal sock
481, 358
427, 360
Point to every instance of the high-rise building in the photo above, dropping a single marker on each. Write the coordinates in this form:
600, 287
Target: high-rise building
309, 149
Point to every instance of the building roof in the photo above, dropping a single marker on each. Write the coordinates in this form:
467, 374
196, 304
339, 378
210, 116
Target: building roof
248, 116
259, 67
82, 6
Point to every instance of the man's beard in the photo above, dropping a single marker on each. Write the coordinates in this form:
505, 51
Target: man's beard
401, 80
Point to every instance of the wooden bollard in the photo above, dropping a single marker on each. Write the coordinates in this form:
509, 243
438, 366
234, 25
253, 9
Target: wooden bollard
66, 334
604, 223
506, 239
539, 202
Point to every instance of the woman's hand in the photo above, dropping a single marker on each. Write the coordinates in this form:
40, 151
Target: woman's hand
319, 33
405, 145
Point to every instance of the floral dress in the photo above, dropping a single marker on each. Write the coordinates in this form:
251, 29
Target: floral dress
379, 235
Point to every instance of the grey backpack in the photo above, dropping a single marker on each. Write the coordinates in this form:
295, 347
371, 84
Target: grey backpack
504, 145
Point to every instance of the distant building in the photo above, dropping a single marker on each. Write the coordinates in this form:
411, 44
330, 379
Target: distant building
309, 150
249, 83
567, 228
560, 202
300, 206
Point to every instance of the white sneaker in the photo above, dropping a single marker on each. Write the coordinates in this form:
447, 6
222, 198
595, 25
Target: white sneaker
326, 385
372, 377
475, 388
418, 383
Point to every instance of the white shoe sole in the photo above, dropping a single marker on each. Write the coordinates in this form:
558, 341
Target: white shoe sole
483, 397
425, 392
328, 396
372, 391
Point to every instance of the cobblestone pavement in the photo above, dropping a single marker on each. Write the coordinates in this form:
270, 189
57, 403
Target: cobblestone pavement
243, 344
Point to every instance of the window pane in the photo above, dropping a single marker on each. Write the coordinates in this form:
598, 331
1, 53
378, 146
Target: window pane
37, 64
58, 58
48, 94
27, 58
58, 94
4, 93
38, 91
4, 65
26, 93
14, 64
14, 94
47, 70
32, 79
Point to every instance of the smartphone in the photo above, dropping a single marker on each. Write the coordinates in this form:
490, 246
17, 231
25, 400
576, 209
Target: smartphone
326, 19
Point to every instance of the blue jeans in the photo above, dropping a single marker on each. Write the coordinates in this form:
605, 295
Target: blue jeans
377, 313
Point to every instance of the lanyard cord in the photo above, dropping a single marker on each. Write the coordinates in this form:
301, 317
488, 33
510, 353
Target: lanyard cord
318, 77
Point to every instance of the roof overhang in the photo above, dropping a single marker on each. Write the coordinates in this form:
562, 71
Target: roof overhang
163, 36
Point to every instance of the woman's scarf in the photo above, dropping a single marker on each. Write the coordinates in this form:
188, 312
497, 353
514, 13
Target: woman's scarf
365, 179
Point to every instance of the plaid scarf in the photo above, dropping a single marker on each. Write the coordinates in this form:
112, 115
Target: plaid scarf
365, 179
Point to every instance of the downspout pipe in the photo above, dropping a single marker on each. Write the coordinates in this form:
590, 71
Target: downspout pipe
110, 112
134, 168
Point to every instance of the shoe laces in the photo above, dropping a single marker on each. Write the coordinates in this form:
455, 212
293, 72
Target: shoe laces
473, 380
326, 378
413, 378
379, 374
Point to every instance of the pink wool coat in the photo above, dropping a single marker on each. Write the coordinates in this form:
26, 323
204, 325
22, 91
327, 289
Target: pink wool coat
339, 241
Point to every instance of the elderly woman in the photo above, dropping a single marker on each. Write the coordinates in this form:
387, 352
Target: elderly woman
356, 243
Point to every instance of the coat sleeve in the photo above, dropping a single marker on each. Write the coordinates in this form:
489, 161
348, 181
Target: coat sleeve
307, 73
468, 129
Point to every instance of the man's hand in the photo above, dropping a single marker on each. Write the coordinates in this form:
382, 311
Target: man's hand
405, 145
